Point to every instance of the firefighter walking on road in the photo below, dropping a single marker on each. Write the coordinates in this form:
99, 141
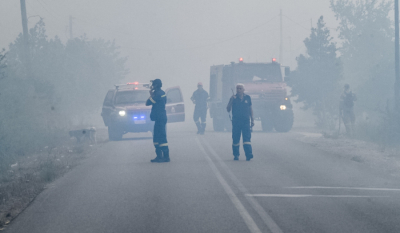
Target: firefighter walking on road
346, 109
199, 98
242, 121
158, 114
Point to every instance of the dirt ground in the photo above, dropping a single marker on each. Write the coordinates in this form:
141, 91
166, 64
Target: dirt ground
30, 175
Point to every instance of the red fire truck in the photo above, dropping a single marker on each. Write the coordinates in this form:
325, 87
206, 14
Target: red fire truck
266, 87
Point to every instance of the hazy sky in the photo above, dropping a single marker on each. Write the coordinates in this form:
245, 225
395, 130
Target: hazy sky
177, 40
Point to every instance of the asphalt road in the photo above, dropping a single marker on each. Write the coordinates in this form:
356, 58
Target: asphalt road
289, 186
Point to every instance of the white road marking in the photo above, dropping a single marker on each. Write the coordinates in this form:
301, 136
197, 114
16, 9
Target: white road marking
311, 135
269, 222
352, 188
307, 195
235, 200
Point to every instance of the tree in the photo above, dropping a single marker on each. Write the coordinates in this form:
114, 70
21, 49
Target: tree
316, 80
92, 66
2, 64
67, 86
367, 34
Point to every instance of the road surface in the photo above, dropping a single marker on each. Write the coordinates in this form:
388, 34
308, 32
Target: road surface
289, 186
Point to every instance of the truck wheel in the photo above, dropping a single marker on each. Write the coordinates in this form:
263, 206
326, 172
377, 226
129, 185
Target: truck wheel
284, 122
218, 125
267, 124
114, 134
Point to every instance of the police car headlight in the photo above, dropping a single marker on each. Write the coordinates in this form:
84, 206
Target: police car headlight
122, 113
283, 107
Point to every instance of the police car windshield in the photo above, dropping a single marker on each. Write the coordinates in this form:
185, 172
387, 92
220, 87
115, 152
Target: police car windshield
131, 97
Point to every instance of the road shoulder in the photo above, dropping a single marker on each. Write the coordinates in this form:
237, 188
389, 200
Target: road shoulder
368, 153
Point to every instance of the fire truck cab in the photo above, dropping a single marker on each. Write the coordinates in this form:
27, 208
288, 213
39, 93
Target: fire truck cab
266, 87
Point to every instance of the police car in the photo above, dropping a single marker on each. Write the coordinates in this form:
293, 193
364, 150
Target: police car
124, 109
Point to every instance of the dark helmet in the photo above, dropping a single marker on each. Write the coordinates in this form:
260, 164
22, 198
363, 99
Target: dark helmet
157, 83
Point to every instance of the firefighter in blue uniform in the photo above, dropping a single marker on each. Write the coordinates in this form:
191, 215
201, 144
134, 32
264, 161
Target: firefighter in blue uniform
242, 121
199, 98
346, 108
158, 114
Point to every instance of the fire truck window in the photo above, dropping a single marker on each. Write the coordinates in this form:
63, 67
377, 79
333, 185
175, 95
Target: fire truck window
262, 72
174, 96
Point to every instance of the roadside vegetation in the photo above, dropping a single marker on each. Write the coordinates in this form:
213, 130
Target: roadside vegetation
316, 80
363, 58
63, 91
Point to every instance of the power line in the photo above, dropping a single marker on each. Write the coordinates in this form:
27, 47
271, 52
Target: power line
179, 49
54, 16
305, 27
297, 23
208, 45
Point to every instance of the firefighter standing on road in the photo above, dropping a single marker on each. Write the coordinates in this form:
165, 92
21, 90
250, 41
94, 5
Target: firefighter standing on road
346, 109
199, 98
242, 121
158, 114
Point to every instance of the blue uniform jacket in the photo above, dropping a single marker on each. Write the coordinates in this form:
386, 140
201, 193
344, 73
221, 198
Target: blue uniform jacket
158, 102
200, 99
241, 108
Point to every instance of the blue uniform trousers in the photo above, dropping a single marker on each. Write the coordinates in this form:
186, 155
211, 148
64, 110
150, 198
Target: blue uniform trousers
239, 128
160, 138
202, 114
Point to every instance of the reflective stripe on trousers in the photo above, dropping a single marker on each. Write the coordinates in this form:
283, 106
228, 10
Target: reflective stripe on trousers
241, 128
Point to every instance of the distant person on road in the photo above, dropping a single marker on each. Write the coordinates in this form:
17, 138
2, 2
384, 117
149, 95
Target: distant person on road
199, 98
346, 106
158, 114
242, 121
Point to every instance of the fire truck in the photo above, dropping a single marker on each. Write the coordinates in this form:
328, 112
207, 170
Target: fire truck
266, 87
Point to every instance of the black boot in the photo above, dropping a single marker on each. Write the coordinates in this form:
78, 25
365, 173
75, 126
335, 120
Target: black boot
203, 128
165, 151
159, 158
198, 127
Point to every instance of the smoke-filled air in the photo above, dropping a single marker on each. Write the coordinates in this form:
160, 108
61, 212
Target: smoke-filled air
199, 116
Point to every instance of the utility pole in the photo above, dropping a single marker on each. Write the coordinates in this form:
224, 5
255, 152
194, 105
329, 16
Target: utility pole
396, 60
281, 46
290, 52
27, 59
70, 27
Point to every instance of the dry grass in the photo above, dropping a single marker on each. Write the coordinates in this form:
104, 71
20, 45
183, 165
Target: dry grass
23, 180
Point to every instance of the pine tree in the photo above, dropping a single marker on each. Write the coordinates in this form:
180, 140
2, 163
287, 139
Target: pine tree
315, 82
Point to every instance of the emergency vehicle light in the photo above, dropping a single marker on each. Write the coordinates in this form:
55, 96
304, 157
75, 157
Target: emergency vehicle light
241, 59
122, 113
273, 59
134, 83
